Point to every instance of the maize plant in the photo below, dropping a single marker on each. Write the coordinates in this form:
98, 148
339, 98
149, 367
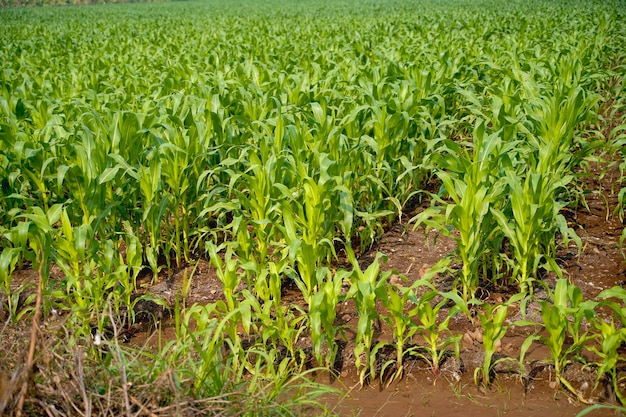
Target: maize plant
436, 334
470, 179
494, 329
535, 220
561, 317
367, 286
322, 313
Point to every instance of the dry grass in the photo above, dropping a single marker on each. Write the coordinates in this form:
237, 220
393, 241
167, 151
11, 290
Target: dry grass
117, 380
66, 381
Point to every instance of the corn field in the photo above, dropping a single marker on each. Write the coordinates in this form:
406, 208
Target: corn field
279, 141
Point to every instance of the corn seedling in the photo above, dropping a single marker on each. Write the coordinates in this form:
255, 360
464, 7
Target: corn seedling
322, 313
400, 319
438, 338
535, 219
367, 287
227, 272
611, 339
8, 261
492, 320
562, 316
468, 178
201, 333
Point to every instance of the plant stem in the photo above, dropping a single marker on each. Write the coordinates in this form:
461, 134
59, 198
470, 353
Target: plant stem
33, 337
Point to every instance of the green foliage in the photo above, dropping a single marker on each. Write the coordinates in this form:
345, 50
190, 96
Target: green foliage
322, 313
469, 179
401, 321
436, 334
492, 320
611, 339
367, 287
271, 140
563, 316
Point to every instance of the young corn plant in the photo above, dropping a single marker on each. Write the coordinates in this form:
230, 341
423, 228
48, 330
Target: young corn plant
367, 287
176, 175
554, 115
554, 317
256, 202
609, 358
469, 179
560, 318
239, 303
154, 205
535, 206
13, 257
202, 332
279, 325
582, 313
8, 262
263, 324
532, 225
436, 334
322, 183
611, 339
288, 325
401, 321
308, 229
76, 256
227, 271
290, 319
492, 319
322, 313
40, 235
